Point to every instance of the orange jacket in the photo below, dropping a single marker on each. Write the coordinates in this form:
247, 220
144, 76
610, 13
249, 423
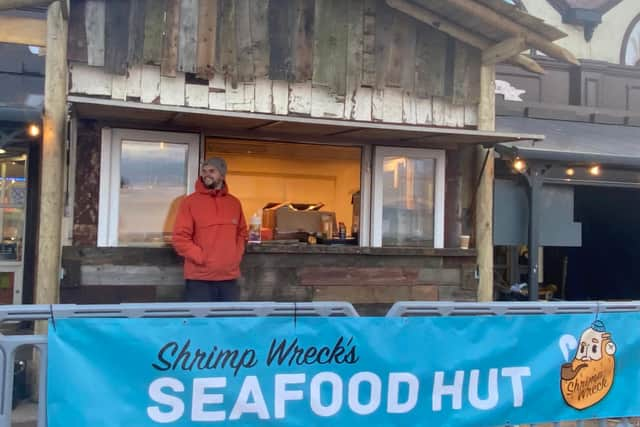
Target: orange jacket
210, 233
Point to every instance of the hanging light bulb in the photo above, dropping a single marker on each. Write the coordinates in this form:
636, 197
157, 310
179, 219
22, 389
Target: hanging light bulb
519, 165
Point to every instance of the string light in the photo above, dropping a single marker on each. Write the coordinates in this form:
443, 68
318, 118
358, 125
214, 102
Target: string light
570, 172
34, 130
595, 170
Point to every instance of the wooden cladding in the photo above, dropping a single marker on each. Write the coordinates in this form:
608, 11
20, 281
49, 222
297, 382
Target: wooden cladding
337, 44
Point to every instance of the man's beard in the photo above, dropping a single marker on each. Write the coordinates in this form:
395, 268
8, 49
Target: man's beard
212, 184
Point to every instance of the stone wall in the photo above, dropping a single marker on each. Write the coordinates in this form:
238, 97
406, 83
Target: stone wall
370, 278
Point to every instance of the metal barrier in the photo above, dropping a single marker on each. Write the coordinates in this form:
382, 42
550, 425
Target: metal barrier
9, 344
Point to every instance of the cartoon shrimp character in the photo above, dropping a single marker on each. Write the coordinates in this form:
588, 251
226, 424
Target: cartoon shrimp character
587, 379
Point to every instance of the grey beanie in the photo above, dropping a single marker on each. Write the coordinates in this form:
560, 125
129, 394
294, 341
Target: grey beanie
218, 163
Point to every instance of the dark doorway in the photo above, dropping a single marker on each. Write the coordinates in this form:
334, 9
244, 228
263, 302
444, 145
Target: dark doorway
607, 266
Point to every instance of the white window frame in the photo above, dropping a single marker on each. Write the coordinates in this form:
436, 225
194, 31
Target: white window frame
438, 208
109, 202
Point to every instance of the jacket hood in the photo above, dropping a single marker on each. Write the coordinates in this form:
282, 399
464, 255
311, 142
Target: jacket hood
201, 188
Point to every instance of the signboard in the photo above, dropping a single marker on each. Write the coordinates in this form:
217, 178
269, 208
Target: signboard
444, 371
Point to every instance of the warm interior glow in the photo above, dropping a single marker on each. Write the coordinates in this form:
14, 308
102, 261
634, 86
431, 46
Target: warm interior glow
519, 165
595, 170
570, 172
262, 172
34, 130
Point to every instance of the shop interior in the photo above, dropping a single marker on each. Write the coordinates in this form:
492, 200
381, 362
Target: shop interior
295, 192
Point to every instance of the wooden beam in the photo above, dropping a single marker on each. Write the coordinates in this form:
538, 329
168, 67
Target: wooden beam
15, 4
458, 32
494, 19
503, 51
527, 63
53, 144
19, 30
484, 196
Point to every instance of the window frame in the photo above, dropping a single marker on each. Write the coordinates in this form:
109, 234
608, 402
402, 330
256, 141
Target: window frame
109, 198
439, 190
626, 39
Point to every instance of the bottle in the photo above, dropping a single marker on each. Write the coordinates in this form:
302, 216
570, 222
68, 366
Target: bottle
342, 231
255, 226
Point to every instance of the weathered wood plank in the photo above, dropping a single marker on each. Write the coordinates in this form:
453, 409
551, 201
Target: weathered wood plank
384, 26
424, 115
207, 37
119, 88
438, 111
472, 75
116, 36
89, 80
187, 36
407, 57
94, 25
362, 104
217, 92
369, 44
172, 89
136, 32
77, 40
227, 42
431, 47
134, 82
324, 103
471, 115
280, 97
460, 72
153, 30
300, 98
377, 105
279, 40
302, 22
264, 95
244, 48
392, 110
150, 84
260, 39
401, 51
409, 113
454, 115
241, 97
355, 34
330, 46
449, 67
197, 95
169, 63
130, 275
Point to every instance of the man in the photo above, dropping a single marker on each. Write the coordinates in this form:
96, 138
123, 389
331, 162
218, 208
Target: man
210, 233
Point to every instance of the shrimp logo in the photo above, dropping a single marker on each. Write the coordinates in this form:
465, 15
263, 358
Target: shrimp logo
587, 379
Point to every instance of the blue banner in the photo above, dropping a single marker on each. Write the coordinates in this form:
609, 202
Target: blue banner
427, 371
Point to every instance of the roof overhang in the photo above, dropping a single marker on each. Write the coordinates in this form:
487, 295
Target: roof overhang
573, 143
283, 128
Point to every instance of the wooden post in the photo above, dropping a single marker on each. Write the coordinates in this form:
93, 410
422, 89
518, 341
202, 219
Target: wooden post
484, 197
53, 145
